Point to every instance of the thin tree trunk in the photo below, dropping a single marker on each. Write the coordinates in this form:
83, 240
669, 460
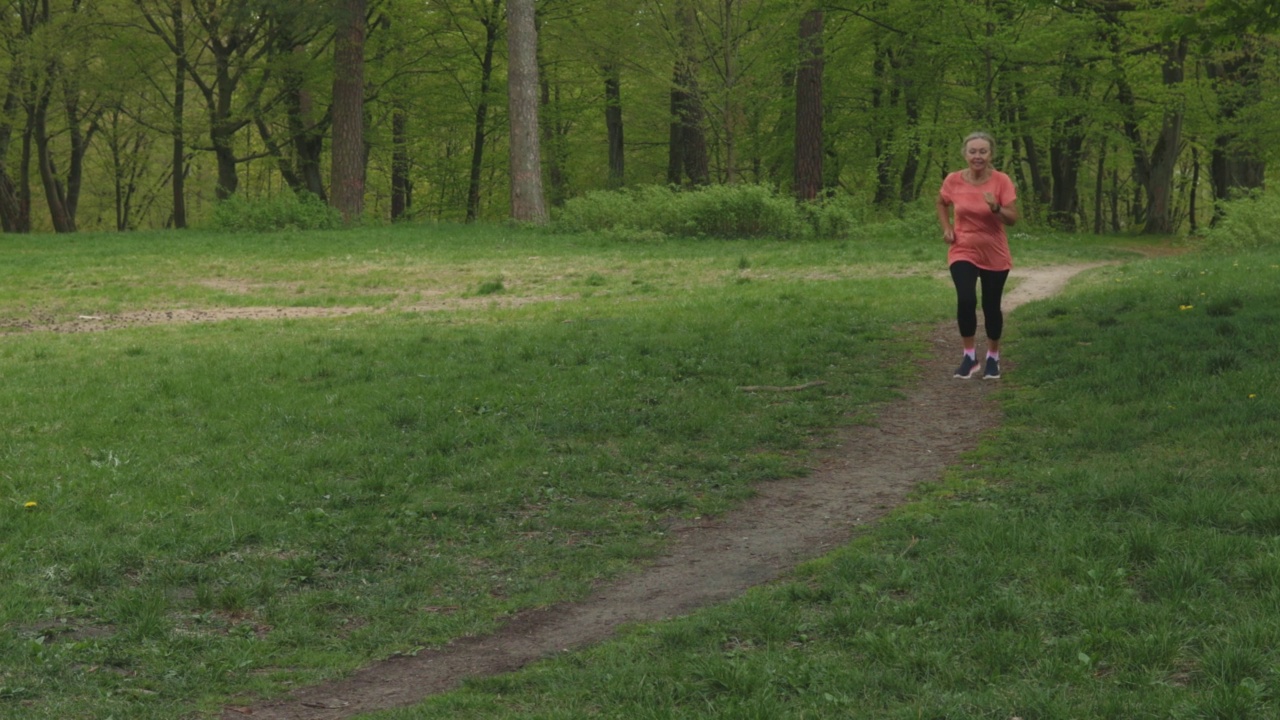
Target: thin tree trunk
528, 203
809, 114
346, 187
401, 185
613, 125
1195, 189
14, 215
884, 195
482, 112
553, 133
179, 177
1098, 189
1065, 150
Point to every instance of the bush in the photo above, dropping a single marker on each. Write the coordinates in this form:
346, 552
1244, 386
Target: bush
287, 211
1249, 222
654, 212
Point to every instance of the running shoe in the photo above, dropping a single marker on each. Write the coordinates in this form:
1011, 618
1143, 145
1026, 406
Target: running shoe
968, 366
992, 372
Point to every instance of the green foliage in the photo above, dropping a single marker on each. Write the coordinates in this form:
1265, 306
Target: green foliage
652, 212
286, 211
1249, 222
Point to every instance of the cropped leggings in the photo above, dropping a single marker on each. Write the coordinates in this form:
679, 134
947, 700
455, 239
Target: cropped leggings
966, 275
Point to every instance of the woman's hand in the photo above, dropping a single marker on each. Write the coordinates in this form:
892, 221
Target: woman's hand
992, 203
949, 234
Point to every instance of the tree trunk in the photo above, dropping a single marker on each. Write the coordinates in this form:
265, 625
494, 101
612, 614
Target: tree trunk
307, 133
15, 216
1098, 189
346, 187
1066, 147
884, 94
222, 128
401, 185
613, 125
179, 176
482, 111
907, 182
1164, 157
55, 194
687, 153
553, 132
809, 115
528, 204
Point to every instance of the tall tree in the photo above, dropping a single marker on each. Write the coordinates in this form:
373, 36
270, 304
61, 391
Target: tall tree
687, 147
178, 175
528, 203
347, 166
809, 114
615, 138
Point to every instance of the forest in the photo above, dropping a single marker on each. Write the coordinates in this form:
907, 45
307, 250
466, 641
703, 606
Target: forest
1110, 115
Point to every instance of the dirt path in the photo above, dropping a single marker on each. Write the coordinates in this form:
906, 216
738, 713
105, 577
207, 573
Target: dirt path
868, 471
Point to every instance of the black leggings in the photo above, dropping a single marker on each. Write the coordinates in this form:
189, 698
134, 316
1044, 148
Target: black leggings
966, 276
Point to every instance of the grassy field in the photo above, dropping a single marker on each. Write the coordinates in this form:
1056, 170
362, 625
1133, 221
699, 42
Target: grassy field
195, 513
1112, 552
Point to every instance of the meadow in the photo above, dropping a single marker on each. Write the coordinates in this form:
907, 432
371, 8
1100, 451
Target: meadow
203, 513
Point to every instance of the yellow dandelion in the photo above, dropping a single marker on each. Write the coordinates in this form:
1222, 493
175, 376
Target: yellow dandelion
1253, 395
1185, 307
30, 504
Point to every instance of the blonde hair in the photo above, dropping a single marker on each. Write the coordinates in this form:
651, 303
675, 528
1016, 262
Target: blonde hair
978, 135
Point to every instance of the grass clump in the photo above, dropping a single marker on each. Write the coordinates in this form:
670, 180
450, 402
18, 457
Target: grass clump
284, 211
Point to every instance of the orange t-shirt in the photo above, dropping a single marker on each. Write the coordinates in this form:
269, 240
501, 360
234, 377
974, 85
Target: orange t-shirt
980, 236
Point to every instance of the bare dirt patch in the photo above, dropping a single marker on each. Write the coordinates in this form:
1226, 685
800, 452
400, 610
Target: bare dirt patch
867, 471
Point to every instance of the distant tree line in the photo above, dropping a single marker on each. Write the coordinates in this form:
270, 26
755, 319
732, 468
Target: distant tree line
1110, 115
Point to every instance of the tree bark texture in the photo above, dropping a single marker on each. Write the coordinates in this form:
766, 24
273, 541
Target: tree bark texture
15, 212
809, 114
401, 185
528, 203
346, 187
1066, 148
1164, 156
687, 151
178, 160
613, 126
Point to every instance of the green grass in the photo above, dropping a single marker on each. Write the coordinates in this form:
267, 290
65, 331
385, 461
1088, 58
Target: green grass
230, 509
1113, 551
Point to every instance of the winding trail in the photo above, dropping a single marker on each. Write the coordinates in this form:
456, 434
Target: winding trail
867, 471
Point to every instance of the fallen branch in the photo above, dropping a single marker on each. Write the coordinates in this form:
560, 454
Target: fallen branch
782, 388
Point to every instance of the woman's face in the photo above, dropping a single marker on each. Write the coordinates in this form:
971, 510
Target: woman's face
977, 153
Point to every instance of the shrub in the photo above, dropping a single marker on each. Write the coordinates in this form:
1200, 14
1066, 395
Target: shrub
286, 211
654, 212
1246, 223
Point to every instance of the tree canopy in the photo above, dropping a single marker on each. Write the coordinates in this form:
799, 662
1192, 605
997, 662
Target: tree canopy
1110, 115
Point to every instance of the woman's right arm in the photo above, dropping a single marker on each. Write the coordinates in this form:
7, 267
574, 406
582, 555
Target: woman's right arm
944, 220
